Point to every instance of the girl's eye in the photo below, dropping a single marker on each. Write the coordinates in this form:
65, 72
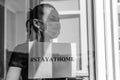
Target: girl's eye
52, 18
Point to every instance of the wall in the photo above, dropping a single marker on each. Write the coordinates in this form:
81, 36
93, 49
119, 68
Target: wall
20, 28
10, 29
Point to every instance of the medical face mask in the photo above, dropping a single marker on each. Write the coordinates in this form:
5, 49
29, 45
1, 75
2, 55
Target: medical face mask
51, 26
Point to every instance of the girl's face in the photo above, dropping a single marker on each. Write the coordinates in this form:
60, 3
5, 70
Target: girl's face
37, 23
51, 24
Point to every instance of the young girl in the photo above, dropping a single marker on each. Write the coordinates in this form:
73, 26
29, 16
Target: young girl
42, 26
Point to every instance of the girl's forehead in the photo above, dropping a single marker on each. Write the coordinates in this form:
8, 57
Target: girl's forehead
47, 10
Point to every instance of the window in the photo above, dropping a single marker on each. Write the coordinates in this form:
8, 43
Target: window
73, 19
74, 29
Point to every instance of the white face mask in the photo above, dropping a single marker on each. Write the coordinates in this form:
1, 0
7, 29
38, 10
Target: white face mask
52, 26
52, 31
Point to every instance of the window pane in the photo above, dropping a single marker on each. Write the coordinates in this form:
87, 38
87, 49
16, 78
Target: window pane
70, 33
64, 5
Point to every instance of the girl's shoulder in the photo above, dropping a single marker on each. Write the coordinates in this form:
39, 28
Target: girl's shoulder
22, 48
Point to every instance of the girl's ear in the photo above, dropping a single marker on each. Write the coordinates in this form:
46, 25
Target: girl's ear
36, 23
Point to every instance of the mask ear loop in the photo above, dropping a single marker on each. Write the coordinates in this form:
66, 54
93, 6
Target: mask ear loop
40, 30
40, 34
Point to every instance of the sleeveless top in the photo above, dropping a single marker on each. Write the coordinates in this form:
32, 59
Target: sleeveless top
19, 58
